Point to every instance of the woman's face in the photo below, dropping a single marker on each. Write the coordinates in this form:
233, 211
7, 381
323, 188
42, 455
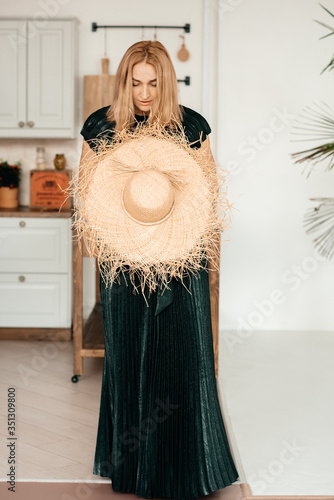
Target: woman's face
144, 87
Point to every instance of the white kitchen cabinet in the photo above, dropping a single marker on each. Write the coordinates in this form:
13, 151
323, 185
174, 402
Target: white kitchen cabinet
37, 87
35, 272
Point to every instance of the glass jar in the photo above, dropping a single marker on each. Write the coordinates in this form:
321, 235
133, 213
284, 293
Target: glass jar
59, 161
40, 159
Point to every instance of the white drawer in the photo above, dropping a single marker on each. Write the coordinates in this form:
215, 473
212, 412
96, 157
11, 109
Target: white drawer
35, 245
35, 300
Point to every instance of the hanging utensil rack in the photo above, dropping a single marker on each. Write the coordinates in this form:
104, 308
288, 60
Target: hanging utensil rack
186, 29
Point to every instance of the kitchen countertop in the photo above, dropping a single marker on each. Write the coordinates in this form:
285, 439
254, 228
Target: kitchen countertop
24, 211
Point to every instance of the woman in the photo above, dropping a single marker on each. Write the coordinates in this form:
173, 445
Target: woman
161, 432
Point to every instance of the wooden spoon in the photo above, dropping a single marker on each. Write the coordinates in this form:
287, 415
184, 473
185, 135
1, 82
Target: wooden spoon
183, 54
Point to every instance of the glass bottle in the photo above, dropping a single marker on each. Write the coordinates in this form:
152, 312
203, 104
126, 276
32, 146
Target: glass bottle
40, 159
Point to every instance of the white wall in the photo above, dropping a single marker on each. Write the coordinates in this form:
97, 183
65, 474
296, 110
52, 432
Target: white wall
90, 51
270, 59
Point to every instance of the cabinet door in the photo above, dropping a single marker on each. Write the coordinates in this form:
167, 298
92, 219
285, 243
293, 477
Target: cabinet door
50, 76
34, 300
13, 43
35, 245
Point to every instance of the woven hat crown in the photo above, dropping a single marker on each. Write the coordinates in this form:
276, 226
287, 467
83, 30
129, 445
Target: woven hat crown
148, 196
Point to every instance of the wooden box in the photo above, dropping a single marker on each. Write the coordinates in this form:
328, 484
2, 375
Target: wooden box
48, 189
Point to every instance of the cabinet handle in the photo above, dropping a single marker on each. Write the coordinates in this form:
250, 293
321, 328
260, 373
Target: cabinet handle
21, 124
22, 223
22, 278
30, 124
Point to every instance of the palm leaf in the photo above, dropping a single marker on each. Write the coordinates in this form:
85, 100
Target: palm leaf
325, 26
329, 66
331, 63
317, 124
320, 220
326, 10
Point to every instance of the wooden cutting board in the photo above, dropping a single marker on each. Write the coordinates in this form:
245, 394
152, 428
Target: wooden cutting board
97, 90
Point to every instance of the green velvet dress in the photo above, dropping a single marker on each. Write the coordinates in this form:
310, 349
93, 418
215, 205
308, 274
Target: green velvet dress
161, 431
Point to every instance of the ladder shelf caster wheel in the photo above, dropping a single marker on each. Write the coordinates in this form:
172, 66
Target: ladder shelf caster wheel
75, 379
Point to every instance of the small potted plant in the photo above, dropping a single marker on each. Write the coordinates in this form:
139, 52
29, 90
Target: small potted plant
9, 184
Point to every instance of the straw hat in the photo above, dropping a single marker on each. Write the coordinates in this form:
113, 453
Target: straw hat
147, 203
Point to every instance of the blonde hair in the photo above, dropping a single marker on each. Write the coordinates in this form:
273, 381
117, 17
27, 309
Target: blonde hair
165, 108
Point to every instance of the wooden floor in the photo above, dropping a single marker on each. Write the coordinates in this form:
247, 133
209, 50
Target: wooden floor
56, 424
56, 419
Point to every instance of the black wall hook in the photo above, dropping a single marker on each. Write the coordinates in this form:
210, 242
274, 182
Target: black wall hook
186, 80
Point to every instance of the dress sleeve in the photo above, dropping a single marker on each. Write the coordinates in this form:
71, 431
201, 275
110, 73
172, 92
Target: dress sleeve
196, 127
95, 126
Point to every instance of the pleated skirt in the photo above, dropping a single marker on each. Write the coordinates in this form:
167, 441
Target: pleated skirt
161, 433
